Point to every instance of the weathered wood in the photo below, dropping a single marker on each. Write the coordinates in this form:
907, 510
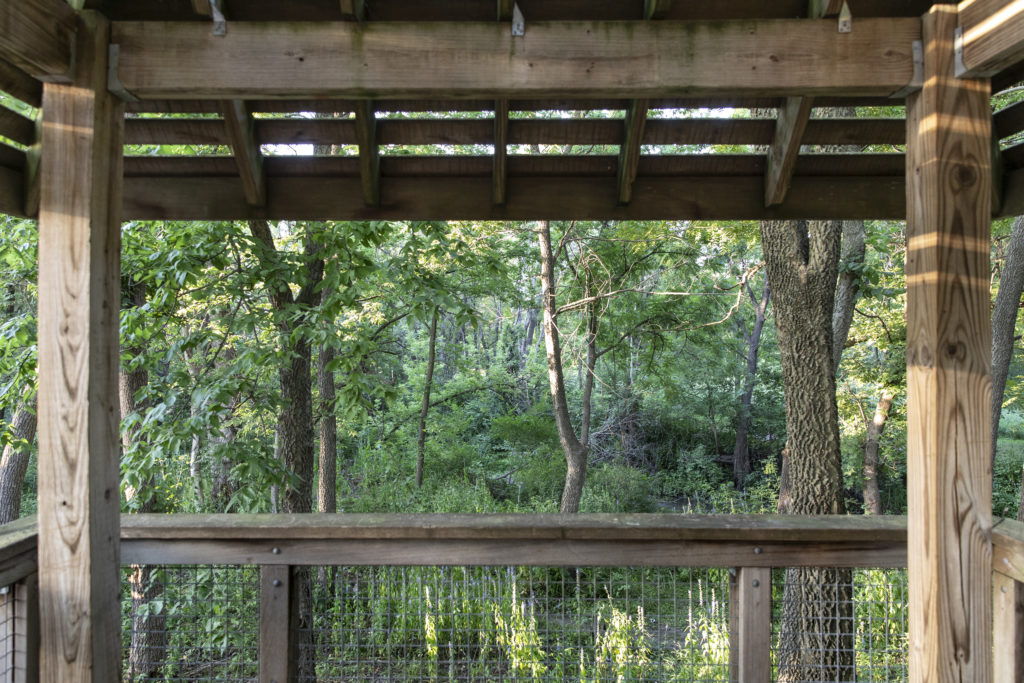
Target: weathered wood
750, 639
993, 35
656, 9
25, 643
667, 527
383, 60
17, 537
201, 7
16, 127
1008, 120
527, 552
499, 171
504, 9
176, 132
79, 291
1007, 628
948, 359
1012, 203
789, 132
12, 190
1008, 548
276, 656
16, 82
248, 157
553, 197
37, 36
33, 160
629, 151
352, 10
369, 152
824, 8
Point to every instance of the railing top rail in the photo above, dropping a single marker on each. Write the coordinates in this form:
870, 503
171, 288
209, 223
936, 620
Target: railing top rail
18, 541
653, 527
1008, 548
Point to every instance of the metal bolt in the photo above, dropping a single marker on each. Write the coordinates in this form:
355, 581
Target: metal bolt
277, 583
757, 551
276, 551
1002, 588
755, 583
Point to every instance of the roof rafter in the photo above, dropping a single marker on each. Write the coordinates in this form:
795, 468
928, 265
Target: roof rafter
992, 36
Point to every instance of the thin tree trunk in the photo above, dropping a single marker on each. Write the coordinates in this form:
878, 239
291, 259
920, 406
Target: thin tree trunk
741, 451
1004, 320
816, 637
14, 462
421, 438
327, 488
575, 451
872, 495
848, 287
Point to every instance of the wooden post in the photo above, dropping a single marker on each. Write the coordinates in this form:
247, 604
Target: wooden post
79, 278
277, 660
750, 625
1008, 628
948, 359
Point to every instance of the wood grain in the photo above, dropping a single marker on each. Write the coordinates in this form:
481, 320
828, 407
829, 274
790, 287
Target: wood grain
275, 655
993, 35
16, 82
36, 36
629, 150
752, 643
948, 363
499, 168
369, 152
79, 294
1007, 628
16, 127
385, 60
789, 132
248, 158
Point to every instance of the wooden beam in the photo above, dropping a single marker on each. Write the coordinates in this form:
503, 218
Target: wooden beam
505, 9
201, 7
353, 10
992, 36
824, 8
37, 37
500, 172
276, 655
369, 152
656, 9
789, 131
33, 159
242, 138
16, 82
1008, 628
16, 127
630, 60
629, 150
79, 295
750, 597
948, 363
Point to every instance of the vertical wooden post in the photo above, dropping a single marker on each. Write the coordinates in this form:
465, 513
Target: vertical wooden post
948, 359
79, 277
750, 625
26, 630
1008, 628
277, 660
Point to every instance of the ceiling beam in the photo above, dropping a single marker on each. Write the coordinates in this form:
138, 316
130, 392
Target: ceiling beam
37, 37
500, 173
353, 10
789, 132
629, 150
462, 60
242, 139
369, 152
991, 36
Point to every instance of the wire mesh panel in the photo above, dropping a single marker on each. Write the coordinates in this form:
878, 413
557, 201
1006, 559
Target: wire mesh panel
190, 623
8, 642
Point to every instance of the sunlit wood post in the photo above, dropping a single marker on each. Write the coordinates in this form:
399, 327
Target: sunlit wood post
948, 360
79, 280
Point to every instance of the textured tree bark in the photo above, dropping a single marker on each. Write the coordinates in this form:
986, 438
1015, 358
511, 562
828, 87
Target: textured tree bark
741, 451
872, 495
1004, 320
14, 461
575, 451
816, 637
848, 287
421, 438
327, 489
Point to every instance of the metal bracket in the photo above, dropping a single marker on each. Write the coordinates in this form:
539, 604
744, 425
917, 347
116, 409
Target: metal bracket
917, 80
518, 23
220, 22
114, 84
958, 51
845, 19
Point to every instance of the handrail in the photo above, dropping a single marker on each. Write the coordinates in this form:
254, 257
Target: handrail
18, 555
534, 540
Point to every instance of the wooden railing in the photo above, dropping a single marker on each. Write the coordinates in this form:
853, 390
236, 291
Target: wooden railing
19, 606
1008, 600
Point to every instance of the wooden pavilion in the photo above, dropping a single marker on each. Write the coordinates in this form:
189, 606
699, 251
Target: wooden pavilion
109, 73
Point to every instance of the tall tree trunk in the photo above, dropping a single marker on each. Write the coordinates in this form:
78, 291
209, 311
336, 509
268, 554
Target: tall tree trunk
1004, 320
872, 495
14, 462
741, 451
421, 438
575, 451
848, 287
816, 638
327, 488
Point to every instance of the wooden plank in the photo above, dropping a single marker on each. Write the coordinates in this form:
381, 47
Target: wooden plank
526, 552
352, 10
36, 36
276, 657
12, 192
1007, 628
993, 35
201, 7
26, 630
1008, 120
18, 536
656, 9
79, 294
750, 646
16, 127
239, 125
557, 198
665, 527
1008, 548
16, 82
499, 171
369, 152
789, 132
176, 132
33, 161
382, 60
1012, 204
948, 360
11, 158
629, 150
504, 8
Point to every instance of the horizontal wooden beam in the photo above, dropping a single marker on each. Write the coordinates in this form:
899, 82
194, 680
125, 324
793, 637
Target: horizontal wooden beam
37, 36
379, 60
530, 198
992, 36
16, 82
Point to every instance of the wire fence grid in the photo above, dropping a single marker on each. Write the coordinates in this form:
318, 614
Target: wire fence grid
452, 623
8, 637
